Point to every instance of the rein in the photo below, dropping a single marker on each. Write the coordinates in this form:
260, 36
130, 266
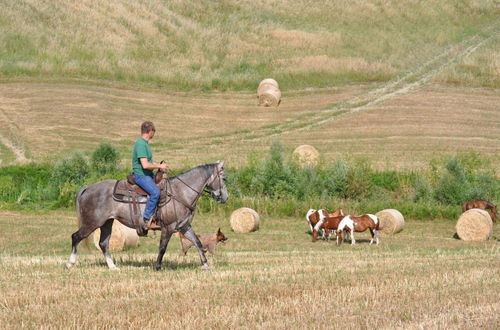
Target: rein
190, 207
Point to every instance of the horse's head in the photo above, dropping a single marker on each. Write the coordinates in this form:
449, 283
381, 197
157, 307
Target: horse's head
217, 185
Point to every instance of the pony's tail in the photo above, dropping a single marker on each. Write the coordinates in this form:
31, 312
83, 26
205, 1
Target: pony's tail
79, 213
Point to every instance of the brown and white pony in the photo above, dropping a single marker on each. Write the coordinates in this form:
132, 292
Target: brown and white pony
482, 204
315, 219
359, 224
329, 224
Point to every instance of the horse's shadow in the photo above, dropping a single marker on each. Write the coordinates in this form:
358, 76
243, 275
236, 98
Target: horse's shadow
166, 265
171, 264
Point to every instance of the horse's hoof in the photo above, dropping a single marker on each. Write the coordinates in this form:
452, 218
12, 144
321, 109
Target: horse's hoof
205, 267
68, 265
157, 267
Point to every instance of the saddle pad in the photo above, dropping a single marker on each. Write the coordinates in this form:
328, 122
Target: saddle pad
123, 191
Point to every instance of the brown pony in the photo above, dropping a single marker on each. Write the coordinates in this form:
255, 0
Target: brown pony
482, 204
329, 223
313, 217
359, 224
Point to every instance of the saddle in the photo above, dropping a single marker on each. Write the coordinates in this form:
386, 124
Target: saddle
127, 191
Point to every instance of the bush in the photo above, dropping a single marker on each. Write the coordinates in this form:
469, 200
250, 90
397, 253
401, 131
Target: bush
336, 178
73, 168
423, 190
359, 183
104, 159
460, 183
274, 177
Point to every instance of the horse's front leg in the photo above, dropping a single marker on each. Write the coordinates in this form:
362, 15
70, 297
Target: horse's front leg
104, 243
165, 238
190, 235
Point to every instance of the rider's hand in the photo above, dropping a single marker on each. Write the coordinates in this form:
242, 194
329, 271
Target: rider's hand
164, 167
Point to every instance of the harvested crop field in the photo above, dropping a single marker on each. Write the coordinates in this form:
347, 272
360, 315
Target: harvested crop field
273, 278
43, 119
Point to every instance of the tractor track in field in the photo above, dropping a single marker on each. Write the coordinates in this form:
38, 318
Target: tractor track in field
9, 126
404, 84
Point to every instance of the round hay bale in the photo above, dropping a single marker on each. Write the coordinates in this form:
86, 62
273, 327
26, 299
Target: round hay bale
307, 155
267, 81
121, 237
474, 225
391, 221
269, 96
244, 220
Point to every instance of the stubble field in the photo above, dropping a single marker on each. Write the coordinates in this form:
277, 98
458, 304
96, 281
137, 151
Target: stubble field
273, 278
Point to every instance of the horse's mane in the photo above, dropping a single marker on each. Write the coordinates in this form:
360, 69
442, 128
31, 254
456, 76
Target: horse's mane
205, 167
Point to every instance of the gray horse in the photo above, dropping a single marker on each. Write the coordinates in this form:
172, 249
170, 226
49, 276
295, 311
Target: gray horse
96, 208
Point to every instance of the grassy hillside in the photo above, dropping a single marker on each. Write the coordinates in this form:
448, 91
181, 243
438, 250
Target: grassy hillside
181, 45
400, 82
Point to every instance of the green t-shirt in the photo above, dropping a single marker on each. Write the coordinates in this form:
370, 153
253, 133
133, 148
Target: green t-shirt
141, 150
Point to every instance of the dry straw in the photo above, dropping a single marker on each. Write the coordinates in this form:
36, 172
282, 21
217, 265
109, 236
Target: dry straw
307, 155
265, 83
391, 221
474, 225
244, 220
121, 237
269, 93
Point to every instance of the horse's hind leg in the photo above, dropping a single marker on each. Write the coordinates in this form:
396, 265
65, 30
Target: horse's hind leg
104, 243
165, 238
190, 235
76, 238
373, 236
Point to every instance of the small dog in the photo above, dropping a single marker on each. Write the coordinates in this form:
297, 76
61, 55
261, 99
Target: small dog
208, 241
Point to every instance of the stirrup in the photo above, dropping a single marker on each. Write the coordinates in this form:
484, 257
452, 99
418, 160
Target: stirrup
153, 225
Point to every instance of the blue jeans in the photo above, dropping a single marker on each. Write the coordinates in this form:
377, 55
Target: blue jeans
147, 183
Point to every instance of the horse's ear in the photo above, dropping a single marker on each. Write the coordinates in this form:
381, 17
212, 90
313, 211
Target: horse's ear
221, 163
218, 230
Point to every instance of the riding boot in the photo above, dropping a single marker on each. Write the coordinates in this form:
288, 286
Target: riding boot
154, 223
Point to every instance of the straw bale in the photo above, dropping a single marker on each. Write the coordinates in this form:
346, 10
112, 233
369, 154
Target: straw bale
474, 225
307, 155
121, 237
391, 221
267, 81
269, 96
244, 220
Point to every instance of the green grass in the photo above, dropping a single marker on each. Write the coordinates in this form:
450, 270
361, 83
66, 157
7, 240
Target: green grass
234, 45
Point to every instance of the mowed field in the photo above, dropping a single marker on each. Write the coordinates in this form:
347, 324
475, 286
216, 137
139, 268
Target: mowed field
273, 278
43, 121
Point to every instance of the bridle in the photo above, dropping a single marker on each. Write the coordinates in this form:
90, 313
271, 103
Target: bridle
198, 193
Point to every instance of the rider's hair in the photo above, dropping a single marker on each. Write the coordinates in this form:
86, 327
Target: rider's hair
147, 127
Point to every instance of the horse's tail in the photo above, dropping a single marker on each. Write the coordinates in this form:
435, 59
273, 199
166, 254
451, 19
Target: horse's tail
79, 213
